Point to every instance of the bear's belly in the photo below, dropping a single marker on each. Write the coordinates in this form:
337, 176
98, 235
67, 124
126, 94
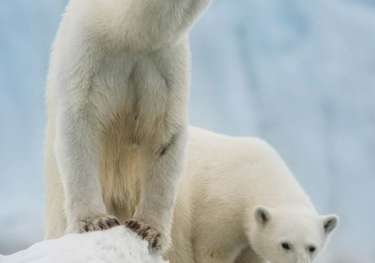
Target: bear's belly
129, 146
133, 133
134, 100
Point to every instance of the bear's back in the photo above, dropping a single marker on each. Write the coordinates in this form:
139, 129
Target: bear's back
220, 166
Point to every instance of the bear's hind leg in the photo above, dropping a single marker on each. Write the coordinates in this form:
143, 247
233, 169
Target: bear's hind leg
159, 191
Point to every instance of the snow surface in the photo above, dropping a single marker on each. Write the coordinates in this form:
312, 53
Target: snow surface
115, 245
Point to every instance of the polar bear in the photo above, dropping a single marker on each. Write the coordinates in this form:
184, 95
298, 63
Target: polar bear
117, 95
238, 202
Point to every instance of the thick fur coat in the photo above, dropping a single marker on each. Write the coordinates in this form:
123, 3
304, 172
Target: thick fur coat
239, 202
117, 96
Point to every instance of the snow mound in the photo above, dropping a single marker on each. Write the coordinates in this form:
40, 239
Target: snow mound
117, 245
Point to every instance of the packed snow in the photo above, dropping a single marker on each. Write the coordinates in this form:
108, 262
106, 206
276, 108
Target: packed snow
117, 245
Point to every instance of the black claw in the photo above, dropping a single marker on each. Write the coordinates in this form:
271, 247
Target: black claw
155, 241
110, 222
130, 224
144, 232
136, 226
143, 235
102, 226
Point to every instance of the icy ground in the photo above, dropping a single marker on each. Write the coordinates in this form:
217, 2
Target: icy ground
115, 245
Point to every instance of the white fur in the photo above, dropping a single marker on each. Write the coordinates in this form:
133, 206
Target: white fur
228, 181
117, 96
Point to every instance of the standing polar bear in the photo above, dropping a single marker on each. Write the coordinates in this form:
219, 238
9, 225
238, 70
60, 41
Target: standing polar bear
238, 202
117, 112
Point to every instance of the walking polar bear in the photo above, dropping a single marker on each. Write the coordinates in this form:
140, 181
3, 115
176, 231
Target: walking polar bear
238, 202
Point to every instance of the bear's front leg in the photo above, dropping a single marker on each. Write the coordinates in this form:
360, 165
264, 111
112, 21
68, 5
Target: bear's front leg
153, 217
77, 156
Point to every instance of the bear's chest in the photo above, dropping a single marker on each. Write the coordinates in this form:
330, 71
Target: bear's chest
132, 94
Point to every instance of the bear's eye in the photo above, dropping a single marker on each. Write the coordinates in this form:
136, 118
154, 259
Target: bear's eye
311, 249
286, 246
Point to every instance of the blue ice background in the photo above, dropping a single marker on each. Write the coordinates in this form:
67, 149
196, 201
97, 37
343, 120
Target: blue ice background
299, 73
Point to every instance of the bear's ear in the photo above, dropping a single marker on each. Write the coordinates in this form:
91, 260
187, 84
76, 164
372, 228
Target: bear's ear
330, 222
262, 215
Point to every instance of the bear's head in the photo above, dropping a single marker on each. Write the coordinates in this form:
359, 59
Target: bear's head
289, 235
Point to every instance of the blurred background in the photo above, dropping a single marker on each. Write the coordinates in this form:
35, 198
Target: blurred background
298, 73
